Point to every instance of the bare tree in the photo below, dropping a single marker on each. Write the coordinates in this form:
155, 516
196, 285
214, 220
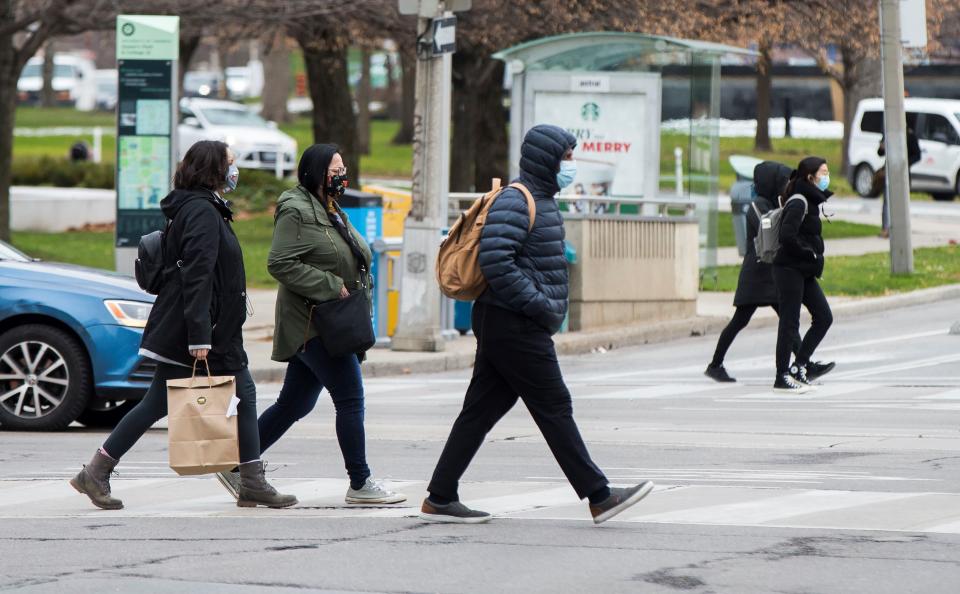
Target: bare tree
276, 87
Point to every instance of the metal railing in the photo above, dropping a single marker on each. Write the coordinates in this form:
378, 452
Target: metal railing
663, 207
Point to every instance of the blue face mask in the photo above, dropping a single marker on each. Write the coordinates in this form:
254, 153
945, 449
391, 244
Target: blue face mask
824, 183
568, 171
233, 176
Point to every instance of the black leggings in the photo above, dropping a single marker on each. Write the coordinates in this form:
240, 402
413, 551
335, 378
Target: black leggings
741, 317
793, 290
153, 407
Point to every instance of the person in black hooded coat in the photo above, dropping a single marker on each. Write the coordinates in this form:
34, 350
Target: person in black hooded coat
755, 286
197, 317
523, 306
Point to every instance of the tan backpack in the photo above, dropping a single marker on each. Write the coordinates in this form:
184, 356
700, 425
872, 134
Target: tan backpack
458, 266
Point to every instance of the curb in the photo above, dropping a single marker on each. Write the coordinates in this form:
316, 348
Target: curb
577, 343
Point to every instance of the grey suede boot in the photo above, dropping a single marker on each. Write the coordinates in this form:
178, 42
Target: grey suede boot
255, 490
94, 481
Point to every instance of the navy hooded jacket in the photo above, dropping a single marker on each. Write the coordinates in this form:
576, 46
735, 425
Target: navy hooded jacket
527, 272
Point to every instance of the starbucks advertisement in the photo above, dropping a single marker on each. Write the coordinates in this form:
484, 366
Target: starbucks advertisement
613, 142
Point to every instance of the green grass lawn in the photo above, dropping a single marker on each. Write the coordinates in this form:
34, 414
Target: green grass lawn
95, 248
862, 276
833, 229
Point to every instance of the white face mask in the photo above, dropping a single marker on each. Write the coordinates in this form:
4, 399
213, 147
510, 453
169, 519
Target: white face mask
568, 171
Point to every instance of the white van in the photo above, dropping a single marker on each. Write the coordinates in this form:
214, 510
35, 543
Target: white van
936, 123
73, 84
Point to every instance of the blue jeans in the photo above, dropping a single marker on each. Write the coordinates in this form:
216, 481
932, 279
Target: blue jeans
308, 373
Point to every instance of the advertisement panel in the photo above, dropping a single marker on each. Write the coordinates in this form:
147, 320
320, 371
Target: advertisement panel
611, 129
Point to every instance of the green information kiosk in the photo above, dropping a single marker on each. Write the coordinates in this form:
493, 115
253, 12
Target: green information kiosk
147, 53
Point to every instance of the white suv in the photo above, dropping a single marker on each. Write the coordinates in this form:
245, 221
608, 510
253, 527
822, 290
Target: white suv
255, 141
936, 123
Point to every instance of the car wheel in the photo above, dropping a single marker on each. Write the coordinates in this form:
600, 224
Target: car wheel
105, 413
45, 380
863, 181
942, 196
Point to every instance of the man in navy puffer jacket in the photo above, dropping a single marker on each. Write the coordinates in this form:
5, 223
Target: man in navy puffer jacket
523, 306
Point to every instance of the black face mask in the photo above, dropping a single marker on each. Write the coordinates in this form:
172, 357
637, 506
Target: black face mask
337, 186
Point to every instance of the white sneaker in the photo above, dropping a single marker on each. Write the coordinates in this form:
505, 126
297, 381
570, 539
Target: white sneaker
373, 492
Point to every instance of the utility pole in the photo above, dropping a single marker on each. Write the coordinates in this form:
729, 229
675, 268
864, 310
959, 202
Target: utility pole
418, 326
895, 138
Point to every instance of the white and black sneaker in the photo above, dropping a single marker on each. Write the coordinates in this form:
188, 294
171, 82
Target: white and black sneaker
799, 373
786, 384
816, 369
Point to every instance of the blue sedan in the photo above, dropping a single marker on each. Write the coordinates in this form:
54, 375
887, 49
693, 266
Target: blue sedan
69, 338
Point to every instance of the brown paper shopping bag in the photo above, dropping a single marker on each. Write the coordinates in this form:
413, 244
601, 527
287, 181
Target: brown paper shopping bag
203, 438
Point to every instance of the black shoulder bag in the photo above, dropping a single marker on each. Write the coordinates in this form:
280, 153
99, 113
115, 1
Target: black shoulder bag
344, 325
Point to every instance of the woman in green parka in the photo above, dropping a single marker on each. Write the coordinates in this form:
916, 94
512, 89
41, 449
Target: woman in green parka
317, 256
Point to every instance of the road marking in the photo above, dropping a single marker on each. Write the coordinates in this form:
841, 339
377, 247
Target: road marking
674, 503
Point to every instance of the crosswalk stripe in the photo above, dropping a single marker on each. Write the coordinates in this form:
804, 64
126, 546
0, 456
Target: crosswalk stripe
740, 505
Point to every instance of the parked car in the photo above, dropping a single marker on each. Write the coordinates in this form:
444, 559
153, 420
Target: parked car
69, 338
201, 83
73, 82
106, 89
937, 125
255, 141
244, 82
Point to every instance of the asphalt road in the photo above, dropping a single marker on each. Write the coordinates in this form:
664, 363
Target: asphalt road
855, 488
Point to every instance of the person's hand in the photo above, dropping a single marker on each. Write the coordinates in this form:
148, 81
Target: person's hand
344, 293
200, 354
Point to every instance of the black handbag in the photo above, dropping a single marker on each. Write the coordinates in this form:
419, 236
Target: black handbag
344, 325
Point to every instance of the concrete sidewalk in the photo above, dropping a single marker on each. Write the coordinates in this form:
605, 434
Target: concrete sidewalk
713, 309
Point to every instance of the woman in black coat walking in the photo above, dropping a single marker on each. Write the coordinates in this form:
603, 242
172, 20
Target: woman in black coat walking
755, 286
197, 316
796, 268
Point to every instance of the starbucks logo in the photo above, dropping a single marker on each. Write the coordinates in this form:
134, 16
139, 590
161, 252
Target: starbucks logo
590, 112
128, 29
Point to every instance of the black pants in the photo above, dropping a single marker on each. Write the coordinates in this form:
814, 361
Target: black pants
515, 358
741, 317
153, 407
793, 290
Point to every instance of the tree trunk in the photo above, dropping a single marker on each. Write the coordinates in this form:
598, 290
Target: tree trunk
48, 97
463, 146
862, 78
8, 105
764, 84
492, 140
395, 89
276, 84
408, 65
364, 91
333, 117
188, 47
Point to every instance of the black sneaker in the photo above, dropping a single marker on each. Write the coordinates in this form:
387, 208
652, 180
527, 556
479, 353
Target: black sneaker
621, 499
718, 374
452, 513
799, 373
786, 384
817, 369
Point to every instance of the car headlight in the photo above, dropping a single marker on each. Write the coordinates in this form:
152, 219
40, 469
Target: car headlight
129, 313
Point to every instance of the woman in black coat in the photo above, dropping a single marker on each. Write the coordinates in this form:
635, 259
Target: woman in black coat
796, 268
755, 286
197, 317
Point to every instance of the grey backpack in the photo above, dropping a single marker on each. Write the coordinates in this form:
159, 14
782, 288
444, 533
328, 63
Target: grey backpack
767, 241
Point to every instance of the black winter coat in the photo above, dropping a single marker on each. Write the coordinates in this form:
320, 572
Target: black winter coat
527, 272
801, 237
755, 285
203, 302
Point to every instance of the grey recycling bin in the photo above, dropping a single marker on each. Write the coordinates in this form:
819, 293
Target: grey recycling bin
742, 195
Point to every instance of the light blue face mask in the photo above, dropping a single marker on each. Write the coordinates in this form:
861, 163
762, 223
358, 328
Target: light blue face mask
233, 176
568, 171
824, 183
